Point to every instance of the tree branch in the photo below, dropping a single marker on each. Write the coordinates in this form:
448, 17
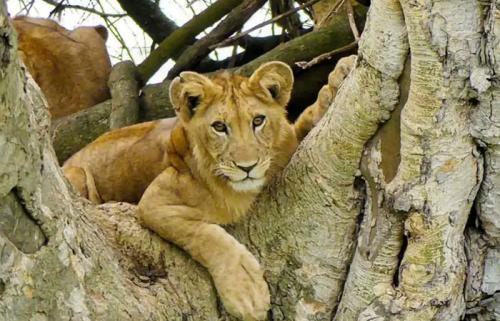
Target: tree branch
265, 23
233, 22
333, 36
124, 91
350, 15
150, 18
60, 6
182, 36
291, 23
326, 55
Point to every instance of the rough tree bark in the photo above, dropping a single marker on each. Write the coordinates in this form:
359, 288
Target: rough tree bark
124, 89
366, 223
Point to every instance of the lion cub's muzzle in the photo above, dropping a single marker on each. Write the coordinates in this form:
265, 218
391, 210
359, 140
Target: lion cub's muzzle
246, 176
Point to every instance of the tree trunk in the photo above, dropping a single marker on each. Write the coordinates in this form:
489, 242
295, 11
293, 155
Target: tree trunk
368, 222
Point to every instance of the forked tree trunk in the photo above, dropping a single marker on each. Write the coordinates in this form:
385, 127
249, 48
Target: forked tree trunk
368, 222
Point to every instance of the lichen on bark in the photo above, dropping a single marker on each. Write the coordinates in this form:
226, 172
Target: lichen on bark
440, 169
98, 263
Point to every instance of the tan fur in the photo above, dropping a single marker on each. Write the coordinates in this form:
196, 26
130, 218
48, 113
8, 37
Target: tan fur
201, 185
122, 162
312, 114
71, 67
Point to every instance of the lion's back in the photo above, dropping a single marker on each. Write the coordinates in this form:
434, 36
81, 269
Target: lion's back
71, 67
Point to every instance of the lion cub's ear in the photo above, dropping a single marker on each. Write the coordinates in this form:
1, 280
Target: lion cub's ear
187, 91
276, 78
102, 31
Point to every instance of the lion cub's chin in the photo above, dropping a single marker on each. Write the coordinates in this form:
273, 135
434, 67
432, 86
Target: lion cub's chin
250, 185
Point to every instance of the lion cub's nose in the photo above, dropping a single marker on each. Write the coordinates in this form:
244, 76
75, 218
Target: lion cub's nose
246, 166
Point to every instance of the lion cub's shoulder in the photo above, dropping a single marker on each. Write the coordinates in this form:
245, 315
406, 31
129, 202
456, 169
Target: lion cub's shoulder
70, 66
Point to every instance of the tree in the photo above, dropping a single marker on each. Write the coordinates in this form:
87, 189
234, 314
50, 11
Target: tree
386, 212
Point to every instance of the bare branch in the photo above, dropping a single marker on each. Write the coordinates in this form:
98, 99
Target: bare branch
265, 23
327, 55
292, 23
111, 27
60, 6
27, 6
352, 23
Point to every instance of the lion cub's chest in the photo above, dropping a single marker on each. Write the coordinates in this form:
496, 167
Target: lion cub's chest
229, 208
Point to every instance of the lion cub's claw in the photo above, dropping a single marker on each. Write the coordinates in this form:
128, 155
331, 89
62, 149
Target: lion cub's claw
242, 288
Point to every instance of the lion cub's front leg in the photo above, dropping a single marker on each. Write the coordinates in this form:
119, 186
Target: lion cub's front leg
312, 114
235, 271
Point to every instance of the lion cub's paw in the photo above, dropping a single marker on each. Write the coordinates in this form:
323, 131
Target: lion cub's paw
324, 100
242, 288
328, 92
338, 75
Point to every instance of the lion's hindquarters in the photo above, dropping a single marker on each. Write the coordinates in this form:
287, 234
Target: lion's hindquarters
123, 162
83, 182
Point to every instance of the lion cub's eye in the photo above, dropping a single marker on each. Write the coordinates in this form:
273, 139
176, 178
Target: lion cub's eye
219, 127
258, 121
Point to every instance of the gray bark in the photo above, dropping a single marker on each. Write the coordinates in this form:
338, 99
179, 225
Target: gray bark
411, 183
124, 89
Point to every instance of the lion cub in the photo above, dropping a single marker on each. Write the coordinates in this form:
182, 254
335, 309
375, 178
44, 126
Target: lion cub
231, 137
70, 66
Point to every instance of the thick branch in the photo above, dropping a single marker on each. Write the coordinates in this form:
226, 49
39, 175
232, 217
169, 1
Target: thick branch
150, 18
487, 130
435, 134
124, 90
380, 239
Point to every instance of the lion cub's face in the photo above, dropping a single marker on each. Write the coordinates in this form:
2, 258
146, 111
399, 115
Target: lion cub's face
235, 123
